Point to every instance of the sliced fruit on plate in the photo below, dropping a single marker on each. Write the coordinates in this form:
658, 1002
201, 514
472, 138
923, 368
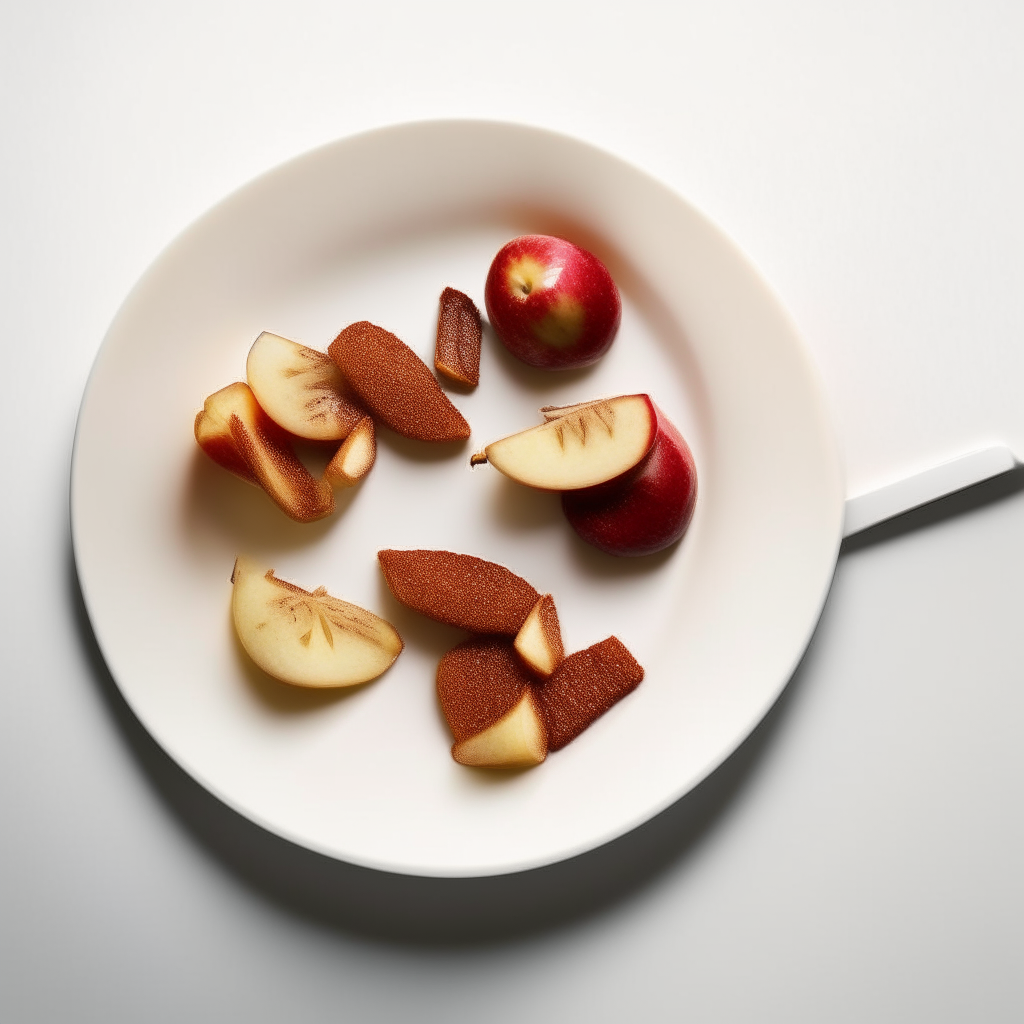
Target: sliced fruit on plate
646, 510
590, 444
308, 638
485, 696
517, 740
460, 590
237, 434
356, 456
300, 389
457, 350
395, 385
539, 640
584, 687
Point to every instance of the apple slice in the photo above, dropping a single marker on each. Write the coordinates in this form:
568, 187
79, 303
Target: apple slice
584, 687
460, 590
395, 385
308, 638
300, 389
237, 434
647, 509
457, 349
213, 428
592, 443
539, 640
356, 456
481, 687
516, 741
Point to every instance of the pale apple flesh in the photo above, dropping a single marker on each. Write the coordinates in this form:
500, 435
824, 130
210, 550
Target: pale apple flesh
517, 740
236, 433
300, 389
647, 510
308, 638
356, 456
539, 641
589, 445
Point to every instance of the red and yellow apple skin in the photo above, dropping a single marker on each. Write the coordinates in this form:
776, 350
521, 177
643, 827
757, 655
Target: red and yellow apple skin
645, 510
552, 304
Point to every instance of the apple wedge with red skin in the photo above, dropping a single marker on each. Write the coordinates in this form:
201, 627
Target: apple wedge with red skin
553, 304
581, 446
648, 508
237, 434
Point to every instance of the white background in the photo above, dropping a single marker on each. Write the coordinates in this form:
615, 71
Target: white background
860, 857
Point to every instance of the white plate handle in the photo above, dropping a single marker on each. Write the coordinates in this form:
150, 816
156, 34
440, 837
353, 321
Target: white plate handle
913, 491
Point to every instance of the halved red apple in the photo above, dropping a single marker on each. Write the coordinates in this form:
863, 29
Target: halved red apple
584, 445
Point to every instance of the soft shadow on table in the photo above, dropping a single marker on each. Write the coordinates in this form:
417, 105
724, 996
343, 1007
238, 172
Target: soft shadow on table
438, 913
967, 500
428, 912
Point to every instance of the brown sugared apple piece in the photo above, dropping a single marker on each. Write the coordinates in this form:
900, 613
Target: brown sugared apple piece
539, 640
584, 687
457, 350
395, 385
262, 447
213, 429
355, 458
482, 686
460, 590
300, 389
516, 741
592, 443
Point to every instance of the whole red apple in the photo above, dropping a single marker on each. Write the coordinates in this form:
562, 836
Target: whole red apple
552, 304
646, 510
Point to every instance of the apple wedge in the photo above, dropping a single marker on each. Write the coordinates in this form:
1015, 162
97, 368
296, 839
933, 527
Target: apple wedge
300, 389
308, 638
459, 590
539, 640
237, 434
584, 687
356, 456
485, 696
590, 444
395, 385
517, 740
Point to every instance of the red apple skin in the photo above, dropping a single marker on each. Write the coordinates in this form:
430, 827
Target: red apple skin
552, 304
644, 511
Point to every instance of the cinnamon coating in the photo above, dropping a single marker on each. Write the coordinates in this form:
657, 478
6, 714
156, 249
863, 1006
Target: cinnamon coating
460, 590
584, 687
395, 385
457, 350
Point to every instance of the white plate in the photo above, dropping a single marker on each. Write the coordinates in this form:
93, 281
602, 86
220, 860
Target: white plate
373, 227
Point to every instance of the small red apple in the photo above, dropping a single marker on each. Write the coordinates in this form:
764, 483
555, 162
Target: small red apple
552, 304
647, 509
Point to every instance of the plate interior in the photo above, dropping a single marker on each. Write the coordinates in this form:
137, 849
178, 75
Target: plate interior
373, 228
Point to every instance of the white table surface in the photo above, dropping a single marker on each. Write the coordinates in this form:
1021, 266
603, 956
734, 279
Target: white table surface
859, 858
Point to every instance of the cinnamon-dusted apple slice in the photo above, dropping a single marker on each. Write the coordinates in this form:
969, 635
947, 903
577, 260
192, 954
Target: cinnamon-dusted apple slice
590, 444
460, 590
584, 687
236, 433
485, 696
300, 389
517, 740
539, 640
356, 456
395, 385
457, 350
308, 638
